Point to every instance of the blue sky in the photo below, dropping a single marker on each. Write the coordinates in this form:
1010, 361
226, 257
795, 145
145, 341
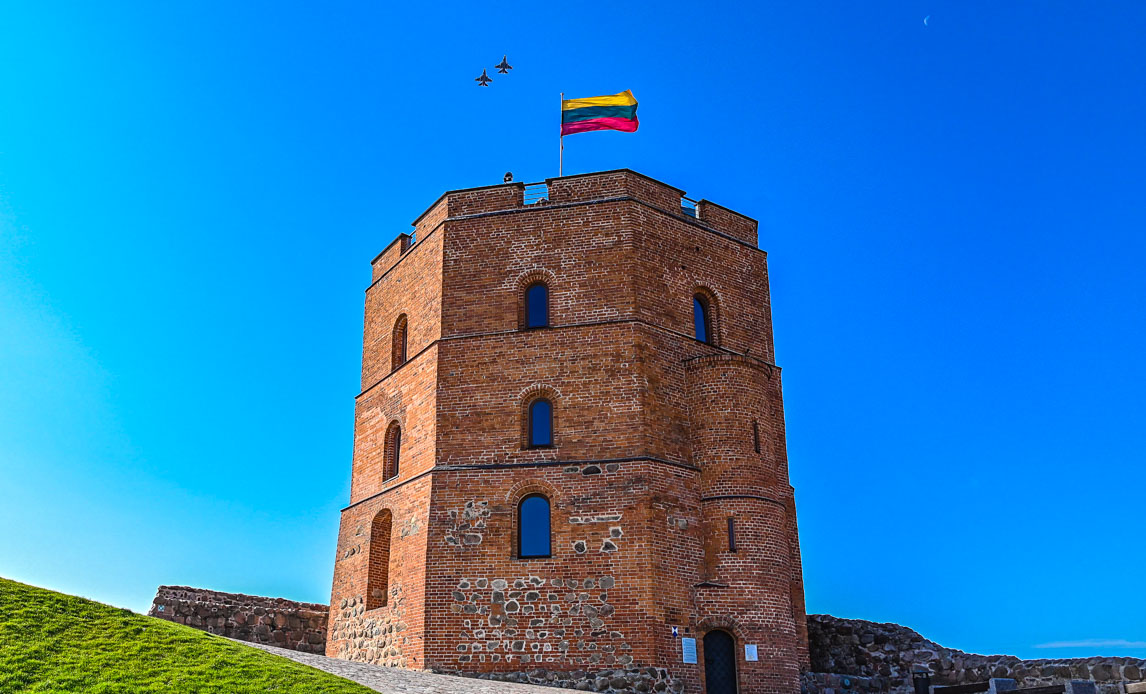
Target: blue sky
190, 197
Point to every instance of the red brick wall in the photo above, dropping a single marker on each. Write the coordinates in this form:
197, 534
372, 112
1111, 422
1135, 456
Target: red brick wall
412, 287
596, 415
489, 261
676, 258
394, 634
653, 447
408, 396
732, 223
600, 569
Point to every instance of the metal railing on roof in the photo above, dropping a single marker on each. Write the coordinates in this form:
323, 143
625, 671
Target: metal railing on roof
536, 193
688, 206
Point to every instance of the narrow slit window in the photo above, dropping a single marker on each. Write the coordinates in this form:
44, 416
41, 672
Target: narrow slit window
702, 319
755, 436
393, 450
731, 534
398, 343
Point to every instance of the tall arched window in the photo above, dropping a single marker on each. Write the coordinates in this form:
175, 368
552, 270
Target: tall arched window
702, 318
533, 527
378, 571
537, 305
392, 450
398, 343
540, 424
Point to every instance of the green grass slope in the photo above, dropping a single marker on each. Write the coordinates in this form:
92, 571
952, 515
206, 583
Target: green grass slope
50, 642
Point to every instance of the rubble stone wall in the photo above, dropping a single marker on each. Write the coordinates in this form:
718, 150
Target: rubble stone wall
299, 626
881, 658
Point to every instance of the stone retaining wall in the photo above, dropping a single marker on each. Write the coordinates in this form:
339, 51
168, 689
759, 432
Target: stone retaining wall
831, 683
627, 680
299, 626
885, 655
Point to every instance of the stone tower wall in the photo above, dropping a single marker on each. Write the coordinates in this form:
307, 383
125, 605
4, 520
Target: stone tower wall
406, 281
652, 451
393, 634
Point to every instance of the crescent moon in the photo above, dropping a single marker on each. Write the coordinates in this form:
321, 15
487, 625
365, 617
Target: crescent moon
925, 20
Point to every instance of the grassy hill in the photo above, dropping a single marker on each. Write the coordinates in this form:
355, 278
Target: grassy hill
50, 642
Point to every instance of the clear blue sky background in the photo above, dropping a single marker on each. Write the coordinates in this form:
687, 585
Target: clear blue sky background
190, 197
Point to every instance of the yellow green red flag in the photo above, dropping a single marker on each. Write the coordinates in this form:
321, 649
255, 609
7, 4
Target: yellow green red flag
613, 112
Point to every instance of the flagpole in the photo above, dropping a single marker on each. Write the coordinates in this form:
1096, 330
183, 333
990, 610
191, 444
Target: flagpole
561, 155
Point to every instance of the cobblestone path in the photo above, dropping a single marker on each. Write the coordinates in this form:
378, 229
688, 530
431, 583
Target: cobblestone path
396, 681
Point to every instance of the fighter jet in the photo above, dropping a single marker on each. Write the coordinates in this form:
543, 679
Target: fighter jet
504, 67
484, 80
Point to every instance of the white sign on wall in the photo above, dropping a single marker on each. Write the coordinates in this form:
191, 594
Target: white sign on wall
688, 649
750, 652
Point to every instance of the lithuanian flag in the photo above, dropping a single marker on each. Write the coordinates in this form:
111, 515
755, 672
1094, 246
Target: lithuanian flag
615, 112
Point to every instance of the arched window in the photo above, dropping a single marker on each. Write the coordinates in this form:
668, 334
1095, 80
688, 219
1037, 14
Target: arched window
702, 319
537, 305
392, 450
540, 424
533, 527
378, 572
398, 343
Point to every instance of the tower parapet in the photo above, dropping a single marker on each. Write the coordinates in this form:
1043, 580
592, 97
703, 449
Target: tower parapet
604, 186
569, 446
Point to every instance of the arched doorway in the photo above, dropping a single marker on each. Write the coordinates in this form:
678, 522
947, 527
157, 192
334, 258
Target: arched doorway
719, 663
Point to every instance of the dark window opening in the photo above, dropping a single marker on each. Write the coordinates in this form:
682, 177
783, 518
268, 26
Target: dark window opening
540, 423
533, 528
398, 344
393, 450
537, 306
701, 320
756, 435
731, 534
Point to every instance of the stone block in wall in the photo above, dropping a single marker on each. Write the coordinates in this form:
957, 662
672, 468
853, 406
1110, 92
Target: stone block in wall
1081, 687
1136, 688
1001, 684
829, 683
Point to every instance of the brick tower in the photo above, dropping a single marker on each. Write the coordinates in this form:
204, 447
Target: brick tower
569, 454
